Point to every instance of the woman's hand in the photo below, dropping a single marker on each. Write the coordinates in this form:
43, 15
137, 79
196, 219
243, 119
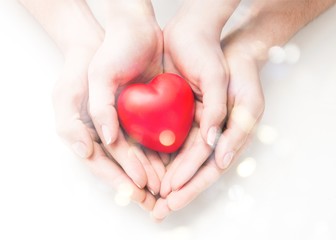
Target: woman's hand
131, 52
78, 38
75, 126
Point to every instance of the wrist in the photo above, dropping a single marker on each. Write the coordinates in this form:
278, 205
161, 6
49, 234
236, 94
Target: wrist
69, 23
272, 23
268, 24
85, 46
207, 16
127, 9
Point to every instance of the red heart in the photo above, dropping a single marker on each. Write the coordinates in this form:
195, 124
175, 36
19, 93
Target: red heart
159, 114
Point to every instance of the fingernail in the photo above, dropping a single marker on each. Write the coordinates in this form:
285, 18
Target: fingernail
151, 191
227, 159
213, 136
80, 149
138, 185
106, 134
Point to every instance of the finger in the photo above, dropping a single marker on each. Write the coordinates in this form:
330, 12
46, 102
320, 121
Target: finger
113, 175
69, 125
156, 162
153, 181
198, 112
214, 89
149, 202
193, 159
239, 127
102, 90
206, 176
122, 152
160, 210
166, 187
247, 110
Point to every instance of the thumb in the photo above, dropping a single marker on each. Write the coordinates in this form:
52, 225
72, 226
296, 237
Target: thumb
102, 110
69, 124
214, 89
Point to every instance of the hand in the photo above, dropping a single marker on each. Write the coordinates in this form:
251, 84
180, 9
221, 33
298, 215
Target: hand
75, 126
131, 52
78, 39
196, 56
245, 107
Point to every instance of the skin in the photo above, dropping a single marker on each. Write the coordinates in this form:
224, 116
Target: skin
80, 42
245, 51
131, 52
224, 76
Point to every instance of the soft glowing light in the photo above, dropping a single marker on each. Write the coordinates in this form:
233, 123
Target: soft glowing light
276, 54
293, 53
123, 195
167, 138
267, 134
247, 167
243, 118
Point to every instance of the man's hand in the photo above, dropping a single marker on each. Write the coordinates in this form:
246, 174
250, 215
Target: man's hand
192, 50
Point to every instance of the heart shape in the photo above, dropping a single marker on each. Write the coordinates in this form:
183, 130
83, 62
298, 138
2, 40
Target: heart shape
159, 114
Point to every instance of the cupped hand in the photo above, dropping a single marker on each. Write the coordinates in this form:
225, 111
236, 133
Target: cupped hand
245, 107
131, 52
75, 126
195, 54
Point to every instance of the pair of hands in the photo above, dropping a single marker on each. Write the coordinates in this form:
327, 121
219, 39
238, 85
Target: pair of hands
223, 76
227, 89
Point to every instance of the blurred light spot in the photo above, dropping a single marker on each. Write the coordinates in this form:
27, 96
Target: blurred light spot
236, 193
293, 53
123, 195
247, 167
276, 54
267, 134
167, 138
243, 118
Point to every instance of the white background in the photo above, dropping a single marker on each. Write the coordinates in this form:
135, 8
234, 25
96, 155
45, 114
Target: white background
284, 187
